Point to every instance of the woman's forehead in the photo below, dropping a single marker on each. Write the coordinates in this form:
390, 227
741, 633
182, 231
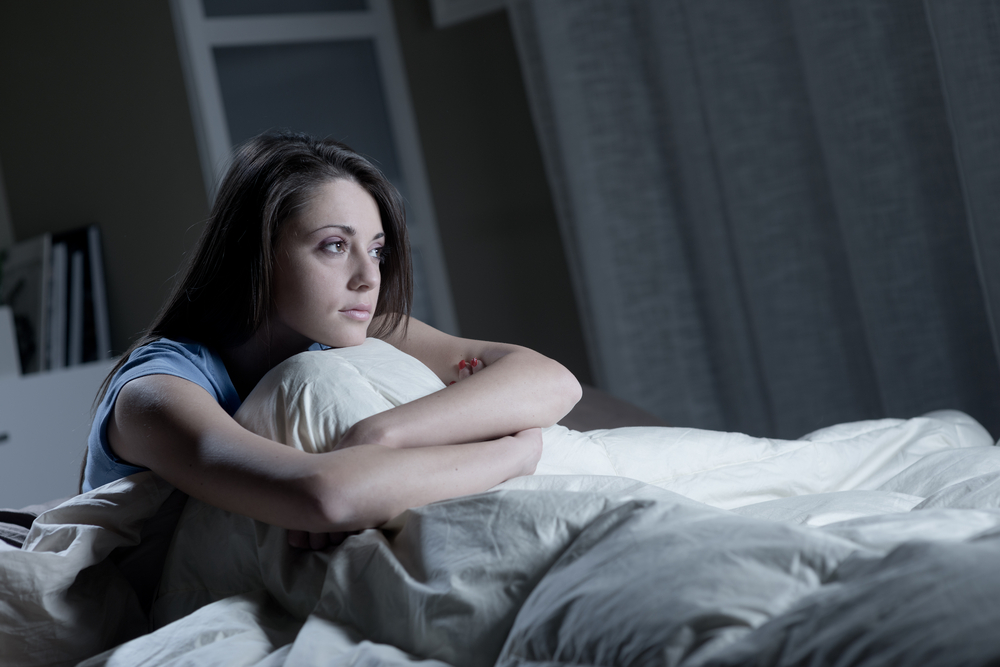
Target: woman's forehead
338, 205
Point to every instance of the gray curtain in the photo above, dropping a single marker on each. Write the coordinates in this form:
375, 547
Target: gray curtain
779, 214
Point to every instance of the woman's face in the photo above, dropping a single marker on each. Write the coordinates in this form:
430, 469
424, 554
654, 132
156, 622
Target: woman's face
326, 273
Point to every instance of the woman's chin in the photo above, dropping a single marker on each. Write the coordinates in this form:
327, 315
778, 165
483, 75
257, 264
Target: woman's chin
347, 340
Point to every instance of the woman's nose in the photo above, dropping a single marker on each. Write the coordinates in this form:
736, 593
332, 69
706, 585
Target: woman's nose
366, 274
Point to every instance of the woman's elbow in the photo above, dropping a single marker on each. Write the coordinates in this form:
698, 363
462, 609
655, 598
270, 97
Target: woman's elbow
566, 389
574, 390
336, 505
321, 506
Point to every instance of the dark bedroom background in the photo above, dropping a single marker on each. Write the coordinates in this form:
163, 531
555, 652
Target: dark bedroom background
762, 217
95, 127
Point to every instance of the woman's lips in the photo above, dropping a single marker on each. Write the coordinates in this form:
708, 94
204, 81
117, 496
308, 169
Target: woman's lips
360, 313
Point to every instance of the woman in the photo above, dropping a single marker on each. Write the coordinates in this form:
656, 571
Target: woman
307, 245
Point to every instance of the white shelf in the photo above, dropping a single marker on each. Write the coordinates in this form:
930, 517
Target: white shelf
46, 418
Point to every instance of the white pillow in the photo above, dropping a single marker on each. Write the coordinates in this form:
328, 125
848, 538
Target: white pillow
310, 400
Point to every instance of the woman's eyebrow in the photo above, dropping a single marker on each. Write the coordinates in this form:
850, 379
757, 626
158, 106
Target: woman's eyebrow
347, 229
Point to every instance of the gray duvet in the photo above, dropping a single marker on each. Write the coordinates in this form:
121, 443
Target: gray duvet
873, 543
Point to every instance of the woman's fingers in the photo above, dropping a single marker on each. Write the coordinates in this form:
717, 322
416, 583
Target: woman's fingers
319, 541
336, 539
467, 368
298, 539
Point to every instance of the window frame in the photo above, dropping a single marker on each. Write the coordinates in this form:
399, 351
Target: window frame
198, 35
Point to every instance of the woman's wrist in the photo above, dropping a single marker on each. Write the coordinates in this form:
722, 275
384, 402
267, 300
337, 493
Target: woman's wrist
528, 445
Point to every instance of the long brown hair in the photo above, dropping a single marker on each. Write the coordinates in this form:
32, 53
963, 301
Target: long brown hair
224, 295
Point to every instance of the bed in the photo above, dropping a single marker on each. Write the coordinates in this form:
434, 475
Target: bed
868, 543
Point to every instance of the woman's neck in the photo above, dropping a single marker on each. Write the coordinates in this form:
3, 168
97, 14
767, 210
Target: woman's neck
248, 362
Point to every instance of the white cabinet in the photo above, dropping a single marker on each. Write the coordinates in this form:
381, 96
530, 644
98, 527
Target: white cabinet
44, 422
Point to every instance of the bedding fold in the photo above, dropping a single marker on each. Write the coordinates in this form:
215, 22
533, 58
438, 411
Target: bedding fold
63, 596
873, 542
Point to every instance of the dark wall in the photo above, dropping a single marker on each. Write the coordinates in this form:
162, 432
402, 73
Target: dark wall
95, 127
494, 209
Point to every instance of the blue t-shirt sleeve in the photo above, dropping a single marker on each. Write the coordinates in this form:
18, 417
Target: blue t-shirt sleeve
183, 359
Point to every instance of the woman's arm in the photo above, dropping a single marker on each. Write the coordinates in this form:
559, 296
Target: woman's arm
516, 390
173, 427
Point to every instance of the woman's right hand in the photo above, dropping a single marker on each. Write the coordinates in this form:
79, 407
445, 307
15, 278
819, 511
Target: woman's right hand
465, 369
300, 539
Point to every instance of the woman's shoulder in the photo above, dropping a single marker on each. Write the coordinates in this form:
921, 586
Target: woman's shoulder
173, 347
184, 358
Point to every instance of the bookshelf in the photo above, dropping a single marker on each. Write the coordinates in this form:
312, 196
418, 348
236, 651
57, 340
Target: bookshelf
55, 345
54, 285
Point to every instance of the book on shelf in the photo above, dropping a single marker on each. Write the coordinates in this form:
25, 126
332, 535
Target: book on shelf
25, 288
56, 348
10, 360
55, 285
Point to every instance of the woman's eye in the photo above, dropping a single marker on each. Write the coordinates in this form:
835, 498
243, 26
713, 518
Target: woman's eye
334, 246
377, 253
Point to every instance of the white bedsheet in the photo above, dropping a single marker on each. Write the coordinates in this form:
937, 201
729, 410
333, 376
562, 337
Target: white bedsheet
875, 542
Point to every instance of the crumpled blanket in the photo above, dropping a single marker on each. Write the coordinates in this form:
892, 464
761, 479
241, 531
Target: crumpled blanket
868, 543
